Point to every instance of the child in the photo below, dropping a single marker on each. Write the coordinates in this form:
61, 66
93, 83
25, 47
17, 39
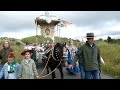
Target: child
10, 69
27, 67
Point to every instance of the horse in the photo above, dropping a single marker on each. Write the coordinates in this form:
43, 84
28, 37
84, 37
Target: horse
55, 57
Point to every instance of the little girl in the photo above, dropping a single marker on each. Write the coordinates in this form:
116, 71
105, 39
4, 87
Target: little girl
10, 69
27, 67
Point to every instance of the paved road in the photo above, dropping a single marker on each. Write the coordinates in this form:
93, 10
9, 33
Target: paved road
66, 74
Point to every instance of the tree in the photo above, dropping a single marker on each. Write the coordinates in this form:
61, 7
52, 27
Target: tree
100, 39
109, 39
18, 43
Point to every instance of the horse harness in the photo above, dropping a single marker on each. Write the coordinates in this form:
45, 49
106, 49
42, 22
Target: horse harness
51, 54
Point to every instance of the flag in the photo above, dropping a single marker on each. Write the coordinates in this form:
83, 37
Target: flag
66, 23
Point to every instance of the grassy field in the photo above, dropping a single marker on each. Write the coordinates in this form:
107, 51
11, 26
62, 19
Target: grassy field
111, 56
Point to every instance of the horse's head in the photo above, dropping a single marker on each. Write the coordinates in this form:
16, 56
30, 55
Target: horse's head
58, 51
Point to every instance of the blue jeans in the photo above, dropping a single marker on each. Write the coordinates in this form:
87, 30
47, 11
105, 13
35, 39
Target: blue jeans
82, 73
92, 74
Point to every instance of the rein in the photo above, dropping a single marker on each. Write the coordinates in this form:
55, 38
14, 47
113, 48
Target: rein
47, 64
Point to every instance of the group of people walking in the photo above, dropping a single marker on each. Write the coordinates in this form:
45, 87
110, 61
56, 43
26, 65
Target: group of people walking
88, 56
11, 69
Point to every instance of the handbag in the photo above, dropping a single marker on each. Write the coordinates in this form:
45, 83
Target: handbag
102, 61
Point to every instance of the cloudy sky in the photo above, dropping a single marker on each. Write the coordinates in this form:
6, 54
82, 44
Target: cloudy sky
20, 24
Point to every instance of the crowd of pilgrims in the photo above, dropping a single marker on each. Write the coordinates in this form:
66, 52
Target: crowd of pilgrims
11, 69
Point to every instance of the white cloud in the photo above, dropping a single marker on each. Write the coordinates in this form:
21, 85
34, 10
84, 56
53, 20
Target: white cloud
21, 34
75, 32
20, 24
72, 31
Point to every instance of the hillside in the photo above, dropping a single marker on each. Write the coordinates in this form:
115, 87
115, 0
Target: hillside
41, 39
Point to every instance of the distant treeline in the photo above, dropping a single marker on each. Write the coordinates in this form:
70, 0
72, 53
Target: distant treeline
42, 39
110, 40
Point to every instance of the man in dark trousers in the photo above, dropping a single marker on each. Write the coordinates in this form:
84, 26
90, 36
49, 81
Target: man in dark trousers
89, 57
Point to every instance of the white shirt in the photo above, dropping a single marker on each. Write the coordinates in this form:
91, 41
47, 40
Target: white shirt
91, 45
29, 47
11, 75
26, 60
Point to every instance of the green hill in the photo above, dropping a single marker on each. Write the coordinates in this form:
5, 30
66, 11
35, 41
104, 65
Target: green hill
41, 39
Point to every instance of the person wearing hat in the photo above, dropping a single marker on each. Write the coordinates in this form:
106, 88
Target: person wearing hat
27, 67
89, 59
5, 52
11, 68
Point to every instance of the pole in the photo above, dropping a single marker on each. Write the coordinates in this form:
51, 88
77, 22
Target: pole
36, 36
36, 33
59, 33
